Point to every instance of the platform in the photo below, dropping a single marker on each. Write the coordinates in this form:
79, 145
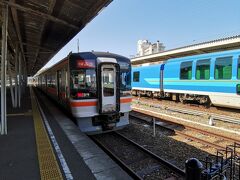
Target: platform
43, 143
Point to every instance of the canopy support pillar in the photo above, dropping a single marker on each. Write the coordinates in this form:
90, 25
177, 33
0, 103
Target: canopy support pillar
3, 70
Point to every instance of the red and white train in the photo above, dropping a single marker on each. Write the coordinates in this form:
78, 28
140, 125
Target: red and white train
94, 86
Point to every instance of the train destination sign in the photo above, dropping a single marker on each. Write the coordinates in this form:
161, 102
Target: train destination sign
83, 63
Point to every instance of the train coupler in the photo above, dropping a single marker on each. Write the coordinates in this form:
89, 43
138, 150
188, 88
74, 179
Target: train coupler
107, 121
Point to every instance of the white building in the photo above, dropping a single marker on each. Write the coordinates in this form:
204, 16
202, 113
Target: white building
145, 48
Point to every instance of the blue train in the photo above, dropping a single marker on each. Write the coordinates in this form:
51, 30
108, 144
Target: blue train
207, 78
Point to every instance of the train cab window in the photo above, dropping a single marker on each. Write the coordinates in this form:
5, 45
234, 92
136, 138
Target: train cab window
238, 76
125, 78
136, 76
223, 68
108, 82
203, 69
83, 83
125, 83
186, 70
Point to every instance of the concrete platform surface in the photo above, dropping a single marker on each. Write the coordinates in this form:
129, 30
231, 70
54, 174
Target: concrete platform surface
19, 153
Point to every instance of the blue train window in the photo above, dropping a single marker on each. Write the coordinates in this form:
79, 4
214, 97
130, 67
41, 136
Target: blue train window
136, 76
238, 76
186, 70
223, 68
203, 69
238, 89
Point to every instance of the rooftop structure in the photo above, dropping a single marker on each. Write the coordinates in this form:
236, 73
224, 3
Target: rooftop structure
144, 47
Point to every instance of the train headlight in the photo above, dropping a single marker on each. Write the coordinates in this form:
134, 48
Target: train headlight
80, 95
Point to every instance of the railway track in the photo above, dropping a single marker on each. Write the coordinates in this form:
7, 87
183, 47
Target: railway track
138, 161
195, 134
215, 116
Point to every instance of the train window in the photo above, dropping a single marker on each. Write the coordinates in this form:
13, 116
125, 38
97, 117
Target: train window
43, 81
59, 79
53, 81
203, 69
238, 76
125, 80
136, 76
108, 82
125, 83
238, 89
223, 68
83, 83
49, 80
186, 70
84, 79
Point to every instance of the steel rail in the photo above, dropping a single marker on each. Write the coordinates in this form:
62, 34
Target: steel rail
165, 163
186, 135
161, 160
215, 116
192, 128
189, 136
123, 165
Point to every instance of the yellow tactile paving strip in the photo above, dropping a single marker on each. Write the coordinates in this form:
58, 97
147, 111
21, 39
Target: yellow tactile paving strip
49, 168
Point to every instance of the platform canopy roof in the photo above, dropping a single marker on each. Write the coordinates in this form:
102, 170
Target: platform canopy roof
223, 44
42, 27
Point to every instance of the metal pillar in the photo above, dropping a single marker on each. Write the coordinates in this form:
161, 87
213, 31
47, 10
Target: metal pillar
24, 78
16, 76
20, 81
10, 82
3, 69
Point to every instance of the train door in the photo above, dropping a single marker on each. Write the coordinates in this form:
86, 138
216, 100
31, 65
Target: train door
109, 88
161, 80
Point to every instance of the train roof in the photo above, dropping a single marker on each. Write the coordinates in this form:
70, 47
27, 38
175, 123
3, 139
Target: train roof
200, 56
100, 54
228, 43
92, 54
207, 55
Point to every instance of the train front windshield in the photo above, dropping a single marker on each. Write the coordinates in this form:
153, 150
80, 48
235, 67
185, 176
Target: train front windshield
83, 81
125, 78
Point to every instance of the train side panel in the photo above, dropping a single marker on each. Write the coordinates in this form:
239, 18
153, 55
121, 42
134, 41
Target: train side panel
213, 77
146, 78
222, 92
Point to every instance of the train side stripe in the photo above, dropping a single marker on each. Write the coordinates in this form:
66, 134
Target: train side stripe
94, 103
79, 104
127, 100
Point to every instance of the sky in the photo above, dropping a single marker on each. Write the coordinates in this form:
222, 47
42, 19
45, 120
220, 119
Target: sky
175, 23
